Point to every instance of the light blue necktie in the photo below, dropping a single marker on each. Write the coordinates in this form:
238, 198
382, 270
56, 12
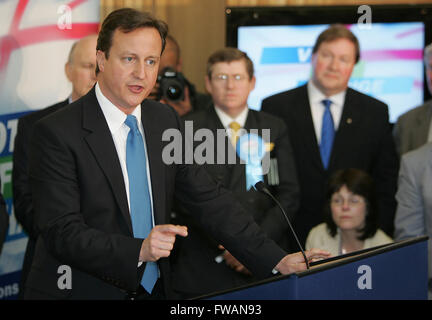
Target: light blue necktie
327, 134
140, 206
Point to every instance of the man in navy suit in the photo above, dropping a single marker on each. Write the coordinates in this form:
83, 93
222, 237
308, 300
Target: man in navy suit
352, 131
81, 177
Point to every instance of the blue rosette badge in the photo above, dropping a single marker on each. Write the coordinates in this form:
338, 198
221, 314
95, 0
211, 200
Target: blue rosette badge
251, 149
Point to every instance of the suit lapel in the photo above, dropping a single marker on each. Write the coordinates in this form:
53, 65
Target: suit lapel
306, 127
420, 135
153, 140
102, 145
214, 122
351, 116
233, 174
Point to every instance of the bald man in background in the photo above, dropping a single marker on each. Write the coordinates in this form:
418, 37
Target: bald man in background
193, 100
80, 71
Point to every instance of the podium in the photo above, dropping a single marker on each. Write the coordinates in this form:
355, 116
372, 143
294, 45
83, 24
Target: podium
394, 271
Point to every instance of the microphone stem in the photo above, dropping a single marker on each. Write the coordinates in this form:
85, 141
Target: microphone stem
292, 229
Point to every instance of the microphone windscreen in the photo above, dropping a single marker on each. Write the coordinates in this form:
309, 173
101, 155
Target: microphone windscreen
260, 186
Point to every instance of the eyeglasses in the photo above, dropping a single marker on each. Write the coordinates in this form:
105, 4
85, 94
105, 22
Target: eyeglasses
352, 202
223, 77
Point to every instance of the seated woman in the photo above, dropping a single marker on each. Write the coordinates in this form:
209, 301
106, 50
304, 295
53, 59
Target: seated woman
351, 217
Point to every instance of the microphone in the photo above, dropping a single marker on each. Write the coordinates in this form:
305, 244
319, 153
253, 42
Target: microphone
261, 187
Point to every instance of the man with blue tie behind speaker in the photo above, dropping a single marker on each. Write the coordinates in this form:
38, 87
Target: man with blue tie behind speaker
103, 191
332, 126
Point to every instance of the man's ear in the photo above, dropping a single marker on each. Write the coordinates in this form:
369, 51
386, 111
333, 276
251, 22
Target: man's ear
179, 65
100, 59
253, 82
68, 71
208, 84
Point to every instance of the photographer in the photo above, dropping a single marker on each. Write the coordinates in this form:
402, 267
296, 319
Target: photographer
182, 96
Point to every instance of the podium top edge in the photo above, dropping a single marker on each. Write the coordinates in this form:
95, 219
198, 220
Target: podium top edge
358, 255
329, 263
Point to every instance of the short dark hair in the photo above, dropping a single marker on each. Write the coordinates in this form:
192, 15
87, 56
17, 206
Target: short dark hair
335, 32
229, 54
127, 20
359, 183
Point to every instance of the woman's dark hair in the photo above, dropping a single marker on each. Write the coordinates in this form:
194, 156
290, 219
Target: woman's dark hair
359, 183
127, 20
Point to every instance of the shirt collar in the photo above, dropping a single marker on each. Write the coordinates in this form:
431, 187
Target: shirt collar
316, 96
113, 115
226, 119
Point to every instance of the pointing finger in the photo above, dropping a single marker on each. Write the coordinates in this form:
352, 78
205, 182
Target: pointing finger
173, 229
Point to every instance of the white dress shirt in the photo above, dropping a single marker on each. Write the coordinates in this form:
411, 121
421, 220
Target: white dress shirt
115, 119
317, 107
226, 119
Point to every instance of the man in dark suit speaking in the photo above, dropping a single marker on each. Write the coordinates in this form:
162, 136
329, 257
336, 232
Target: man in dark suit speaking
103, 192
333, 127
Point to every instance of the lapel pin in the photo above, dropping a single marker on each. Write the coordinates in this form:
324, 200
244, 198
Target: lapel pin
349, 120
269, 146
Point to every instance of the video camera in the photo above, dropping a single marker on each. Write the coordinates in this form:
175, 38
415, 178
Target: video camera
171, 85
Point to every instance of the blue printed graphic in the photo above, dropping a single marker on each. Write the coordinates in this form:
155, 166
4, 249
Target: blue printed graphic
251, 149
276, 55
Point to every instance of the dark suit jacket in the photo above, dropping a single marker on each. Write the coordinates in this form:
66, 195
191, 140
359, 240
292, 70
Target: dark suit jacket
411, 130
4, 221
22, 195
195, 259
81, 206
363, 140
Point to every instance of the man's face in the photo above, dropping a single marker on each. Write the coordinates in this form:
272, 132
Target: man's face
332, 65
230, 86
81, 69
127, 77
429, 73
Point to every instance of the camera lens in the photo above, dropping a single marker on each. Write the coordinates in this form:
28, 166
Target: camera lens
174, 92
171, 85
